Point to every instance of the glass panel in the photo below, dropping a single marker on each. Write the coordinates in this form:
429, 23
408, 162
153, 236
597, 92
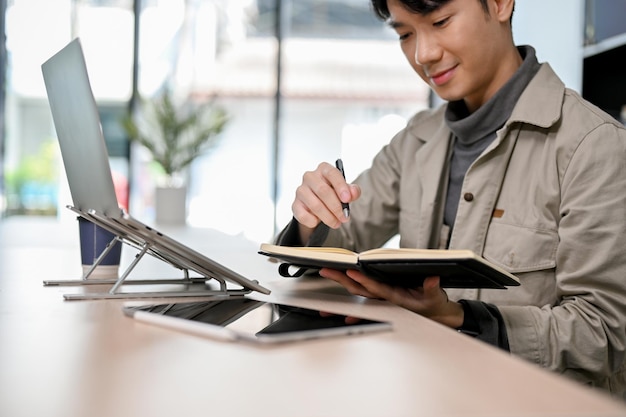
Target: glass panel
35, 178
31, 159
347, 90
222, 51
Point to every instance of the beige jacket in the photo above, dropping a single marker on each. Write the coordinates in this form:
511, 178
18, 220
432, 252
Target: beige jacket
546, 200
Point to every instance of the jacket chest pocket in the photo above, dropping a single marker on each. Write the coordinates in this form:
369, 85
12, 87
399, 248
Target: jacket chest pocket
520, 249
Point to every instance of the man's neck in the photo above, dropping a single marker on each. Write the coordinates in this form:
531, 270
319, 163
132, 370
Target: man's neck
511, 61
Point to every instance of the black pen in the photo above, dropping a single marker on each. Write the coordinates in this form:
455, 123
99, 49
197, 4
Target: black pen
344, 206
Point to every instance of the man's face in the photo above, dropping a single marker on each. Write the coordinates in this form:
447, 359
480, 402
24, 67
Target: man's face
459, 49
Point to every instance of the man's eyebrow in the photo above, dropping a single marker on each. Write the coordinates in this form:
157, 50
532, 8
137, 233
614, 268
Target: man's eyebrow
395, 24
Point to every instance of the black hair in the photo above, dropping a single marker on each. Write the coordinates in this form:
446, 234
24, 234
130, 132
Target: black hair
422, 7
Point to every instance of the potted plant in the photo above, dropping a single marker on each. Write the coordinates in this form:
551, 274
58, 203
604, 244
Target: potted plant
175, 135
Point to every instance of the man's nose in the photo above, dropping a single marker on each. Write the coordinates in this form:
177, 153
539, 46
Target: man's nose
427, 50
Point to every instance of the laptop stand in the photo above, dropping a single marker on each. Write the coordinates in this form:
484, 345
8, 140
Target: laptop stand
148, 241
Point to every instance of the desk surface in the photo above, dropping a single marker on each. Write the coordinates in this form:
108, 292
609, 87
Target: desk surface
85, 358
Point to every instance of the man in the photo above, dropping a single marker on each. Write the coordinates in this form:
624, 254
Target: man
515, 167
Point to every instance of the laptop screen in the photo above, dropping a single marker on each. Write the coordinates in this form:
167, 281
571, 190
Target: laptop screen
79, 131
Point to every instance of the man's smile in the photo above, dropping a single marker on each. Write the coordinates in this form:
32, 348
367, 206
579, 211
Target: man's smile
442, 77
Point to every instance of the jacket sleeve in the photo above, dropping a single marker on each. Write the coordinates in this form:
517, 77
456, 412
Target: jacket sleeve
375, 216
583, 333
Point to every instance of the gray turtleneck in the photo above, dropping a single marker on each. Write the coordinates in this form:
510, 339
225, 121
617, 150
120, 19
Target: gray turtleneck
474, 132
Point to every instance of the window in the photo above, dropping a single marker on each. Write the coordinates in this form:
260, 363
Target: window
345, 89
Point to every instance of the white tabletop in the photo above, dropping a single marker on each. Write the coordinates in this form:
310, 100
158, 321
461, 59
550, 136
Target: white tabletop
85, 358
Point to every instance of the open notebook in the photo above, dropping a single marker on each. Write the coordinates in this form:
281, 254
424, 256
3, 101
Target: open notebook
86, 161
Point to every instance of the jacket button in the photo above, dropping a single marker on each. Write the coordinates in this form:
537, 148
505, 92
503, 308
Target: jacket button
468, 197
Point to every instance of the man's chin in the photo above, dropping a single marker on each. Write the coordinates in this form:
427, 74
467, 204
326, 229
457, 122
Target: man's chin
446, 95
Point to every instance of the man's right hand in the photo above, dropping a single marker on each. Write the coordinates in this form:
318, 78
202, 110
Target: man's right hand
319, 198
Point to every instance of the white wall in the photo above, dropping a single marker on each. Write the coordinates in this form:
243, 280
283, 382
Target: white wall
555, 28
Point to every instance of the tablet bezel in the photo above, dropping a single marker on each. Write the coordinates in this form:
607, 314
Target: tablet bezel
151, 314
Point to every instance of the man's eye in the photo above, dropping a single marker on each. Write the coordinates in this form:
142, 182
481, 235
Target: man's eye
403, 36
440, 23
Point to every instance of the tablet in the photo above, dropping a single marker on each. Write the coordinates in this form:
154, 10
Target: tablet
248, 320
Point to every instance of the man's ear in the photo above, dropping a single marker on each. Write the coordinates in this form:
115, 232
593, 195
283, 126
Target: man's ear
502, 10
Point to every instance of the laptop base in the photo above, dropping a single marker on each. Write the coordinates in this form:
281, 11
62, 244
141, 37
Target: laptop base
141, 295
192, 287
148, 241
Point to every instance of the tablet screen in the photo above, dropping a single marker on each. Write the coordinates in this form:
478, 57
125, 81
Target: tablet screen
252, 320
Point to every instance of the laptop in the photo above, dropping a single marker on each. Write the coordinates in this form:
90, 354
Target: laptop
83, 149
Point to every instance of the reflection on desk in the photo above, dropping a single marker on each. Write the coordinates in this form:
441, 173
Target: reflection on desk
85, 358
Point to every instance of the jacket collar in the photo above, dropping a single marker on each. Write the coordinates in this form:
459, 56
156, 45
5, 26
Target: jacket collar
541, 102
429, 122
540, 105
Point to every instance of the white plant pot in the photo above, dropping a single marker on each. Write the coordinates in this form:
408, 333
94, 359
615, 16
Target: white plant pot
171, 205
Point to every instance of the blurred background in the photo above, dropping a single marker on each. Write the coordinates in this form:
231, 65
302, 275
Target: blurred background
303, 81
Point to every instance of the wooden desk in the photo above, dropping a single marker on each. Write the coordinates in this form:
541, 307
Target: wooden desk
85, 358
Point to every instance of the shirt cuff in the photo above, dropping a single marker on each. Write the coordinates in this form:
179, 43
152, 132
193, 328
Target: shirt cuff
290, 235
484, 322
